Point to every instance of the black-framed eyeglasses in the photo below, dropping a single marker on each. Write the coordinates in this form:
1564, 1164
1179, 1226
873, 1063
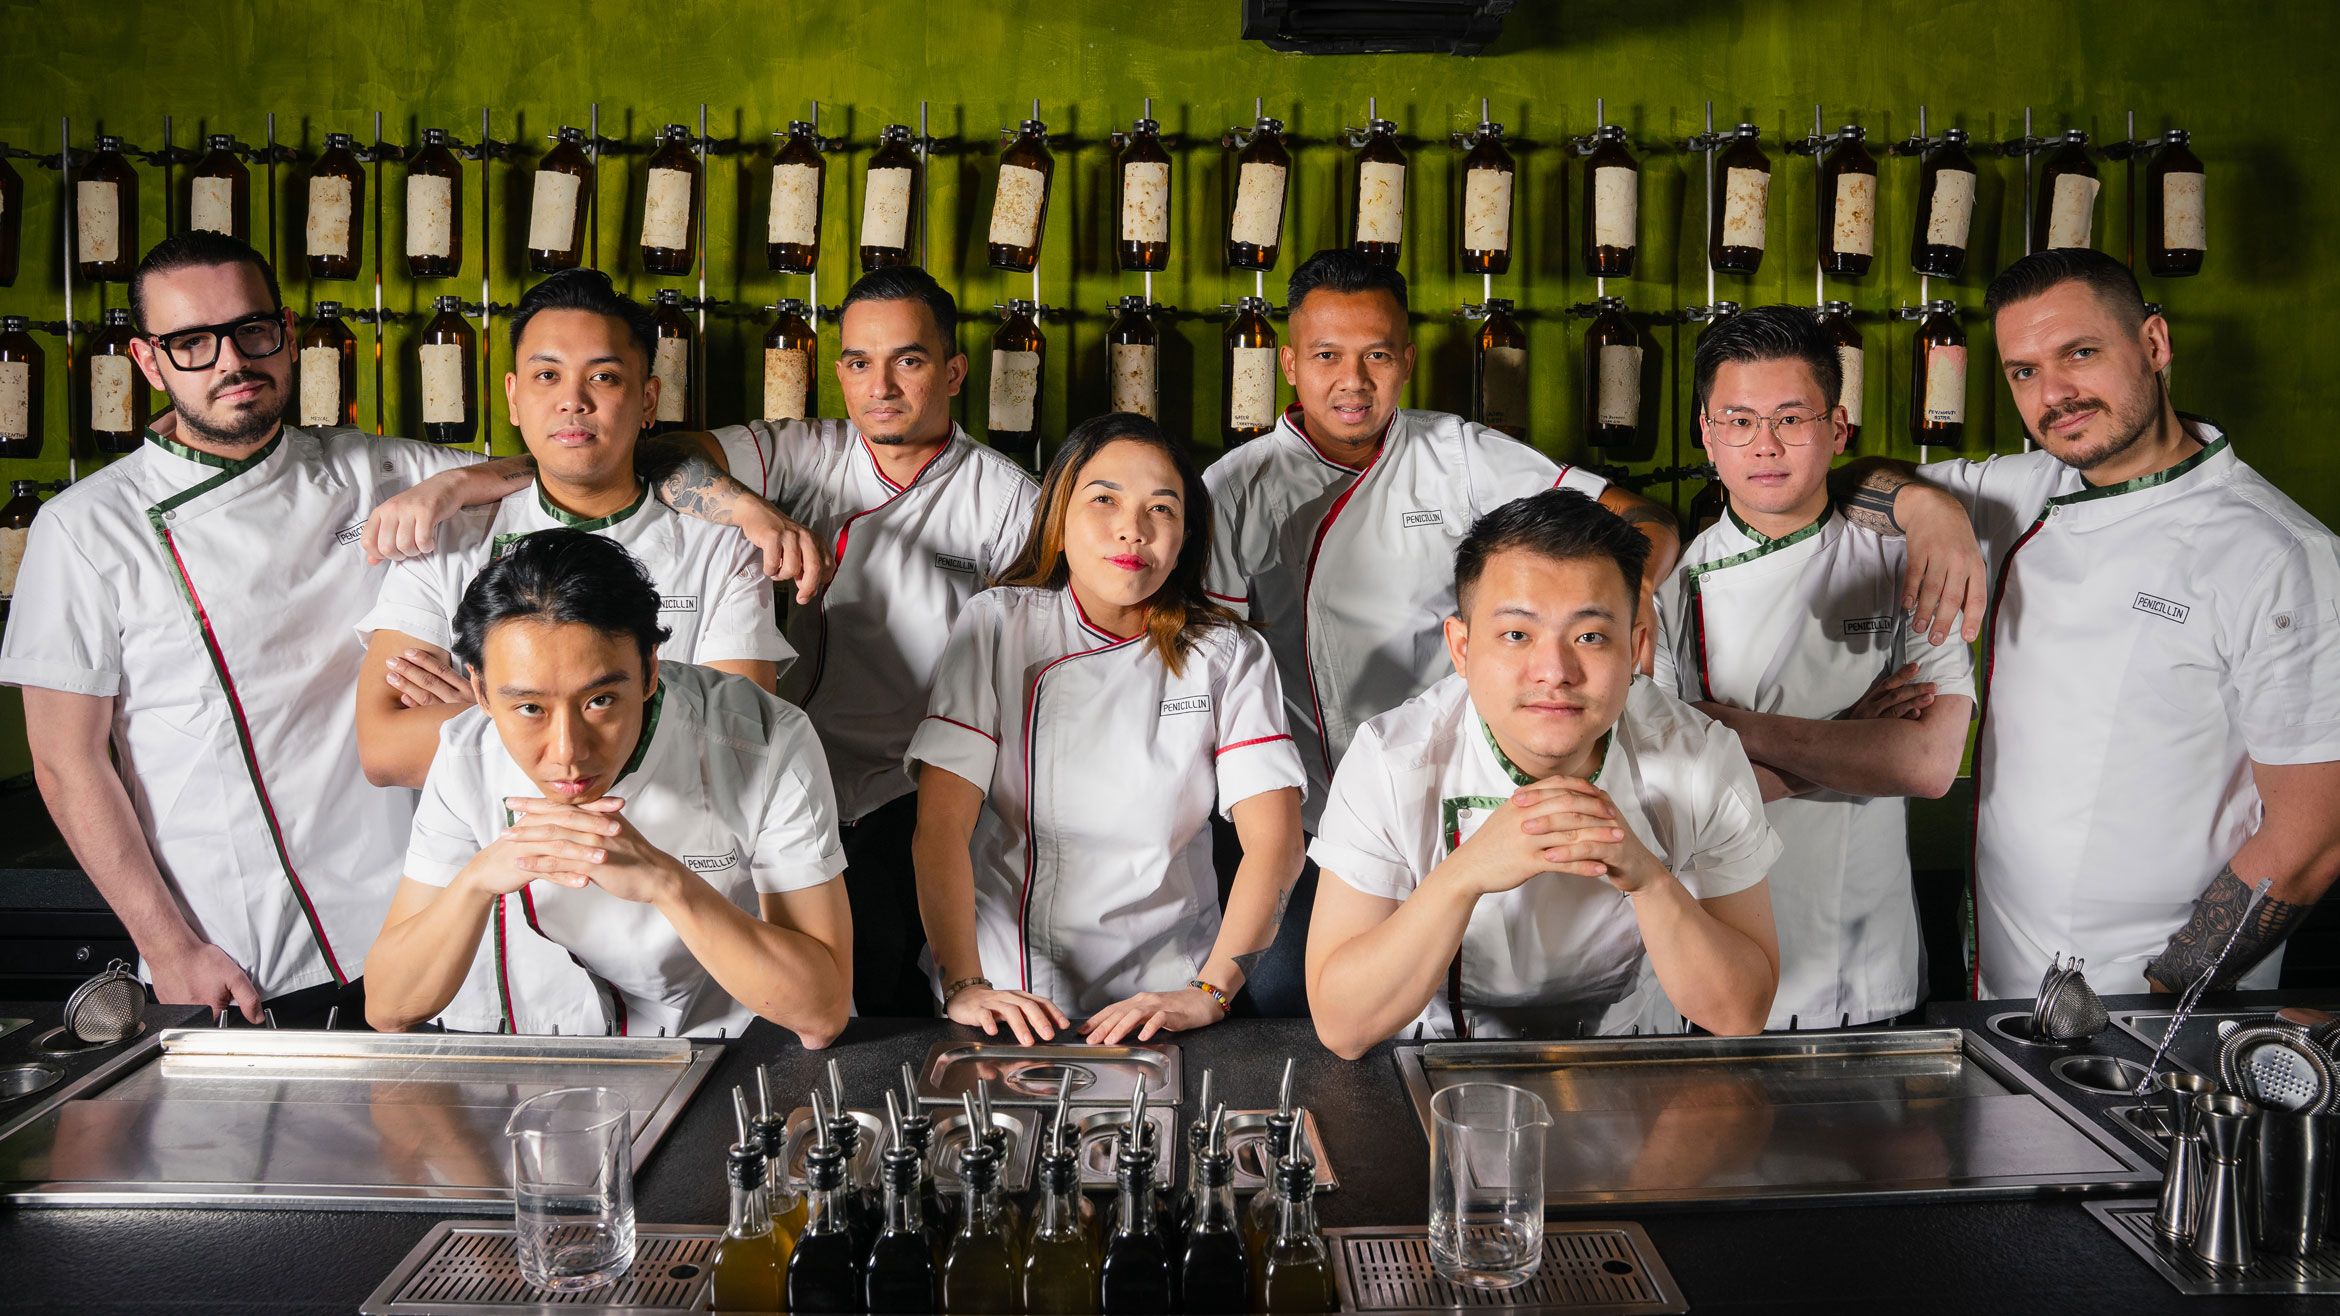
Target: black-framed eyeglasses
260, 334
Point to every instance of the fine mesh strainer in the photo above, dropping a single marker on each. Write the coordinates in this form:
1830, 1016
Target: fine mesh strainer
2073, 1010
2278, 1067
107, 1007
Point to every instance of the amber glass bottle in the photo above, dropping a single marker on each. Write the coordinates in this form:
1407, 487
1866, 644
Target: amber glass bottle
1135, 355
1848, 204
218, 192
792, 231
1612, 189
2176, 234
1255, 218
671, 365
2065, 215
334, 234
115, 401
1938, 391
560, 197
448, 358
1019, 207
1742, 200
1945, 208
889, 200
1489, 175
434, 209
1612, 377
1250, 361
1499, 371
327, 367
1145, 200
1012, 420
1836, 318
1377, 220
670, 204
23, 381
789, 349
105, 198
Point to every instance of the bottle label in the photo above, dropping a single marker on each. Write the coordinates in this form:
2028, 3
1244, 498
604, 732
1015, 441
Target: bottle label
1945, 385
15, 399
110, 380
1620, 395
1856, 215
796, 205
1381, 202
1503, 391
212, 205
1952, 215
2182, 224
101, 220
328, 230
1851, 394
885, 209
1746, 195
1259, 205
787, 383
666, 210
1015, 391
1015, 211
321, 387
430, 215
1251, 392
672, 369
1616, 206
1134, 378
2074, 212
442, 384
12, 544
1487, 210
1145, 201
552, 211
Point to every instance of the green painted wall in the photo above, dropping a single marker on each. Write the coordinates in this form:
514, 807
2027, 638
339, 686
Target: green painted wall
2261, 314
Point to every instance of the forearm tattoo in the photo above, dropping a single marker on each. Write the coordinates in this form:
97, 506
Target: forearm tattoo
2216, 914
692, 485
1250, 960
1869, 505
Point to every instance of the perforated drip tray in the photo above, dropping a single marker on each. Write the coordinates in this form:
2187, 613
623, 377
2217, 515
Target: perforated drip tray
472, 1268
2132, 1223
1590, 1268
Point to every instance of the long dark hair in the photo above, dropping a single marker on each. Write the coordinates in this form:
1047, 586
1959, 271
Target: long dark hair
1180, 610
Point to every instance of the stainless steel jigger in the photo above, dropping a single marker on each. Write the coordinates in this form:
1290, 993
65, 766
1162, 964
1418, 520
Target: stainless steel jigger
2222, 1234
2181, 1179
2295, 1180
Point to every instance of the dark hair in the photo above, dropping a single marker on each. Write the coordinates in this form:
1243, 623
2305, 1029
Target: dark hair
1561, 524
1338, 269
1180, 610
587, 290
1769, 333
908, 283
192, 249
2036, 273
560, 576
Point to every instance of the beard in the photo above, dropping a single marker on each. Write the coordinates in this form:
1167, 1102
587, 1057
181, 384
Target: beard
237, 426
2126, 427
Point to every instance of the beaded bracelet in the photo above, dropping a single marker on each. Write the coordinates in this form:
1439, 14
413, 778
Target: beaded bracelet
961, 985
1212, 992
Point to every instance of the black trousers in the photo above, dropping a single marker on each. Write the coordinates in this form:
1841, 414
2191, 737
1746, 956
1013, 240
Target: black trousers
882, 887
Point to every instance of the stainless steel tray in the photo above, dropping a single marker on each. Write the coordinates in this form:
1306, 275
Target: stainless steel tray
1032, 1075
801, 1136
1247, 1143
942, 1156
1098, 1129
2132, 1223
337, 1121
1589, 1269
2196, 1048
1893, 1114
471, 1268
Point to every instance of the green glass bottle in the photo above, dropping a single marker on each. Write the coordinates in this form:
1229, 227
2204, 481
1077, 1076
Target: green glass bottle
1060, 1255
1138, 1276
1296, 1275
981, 1275
1212, 1273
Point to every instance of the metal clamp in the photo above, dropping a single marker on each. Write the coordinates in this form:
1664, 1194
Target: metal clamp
8, 152
393, 153
371, 315
476, 311
167, 157
1233, 309
1817, 143
1039, 310
61, 328
487, 148
825, 145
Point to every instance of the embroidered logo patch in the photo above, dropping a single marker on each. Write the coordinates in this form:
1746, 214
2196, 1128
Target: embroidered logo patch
678, 603
1190, 704
1868, 625
710, 863
1432, 516
949, 562
348, 534
2162, 608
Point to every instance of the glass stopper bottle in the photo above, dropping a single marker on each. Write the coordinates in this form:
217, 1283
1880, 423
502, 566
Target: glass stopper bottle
333, 232
219, 190
1135, 355
792, 234
1742, 179
2065, 215
1019, 208
1612, 373
670, 204
789, 392
1836, 318
116, 402
560, 197
23, 382
1145, 200
1378, 220
889, 198
1613, 186
1489, 173
1938, 394
1255, 219
2176, 233
448, 357
1250, 373
1499, 370
1848, 201
105, 207
1012, 420
1945, 208
328, 370
671, 364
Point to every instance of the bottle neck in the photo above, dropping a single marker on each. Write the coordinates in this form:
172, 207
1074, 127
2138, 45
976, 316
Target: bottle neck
1059, 1213
824, 1211
751, 1215
1137, 1203
1295, 1216
979, 1209
1214, 1205
902, 1215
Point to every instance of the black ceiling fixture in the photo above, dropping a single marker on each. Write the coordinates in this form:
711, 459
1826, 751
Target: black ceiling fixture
1373, 27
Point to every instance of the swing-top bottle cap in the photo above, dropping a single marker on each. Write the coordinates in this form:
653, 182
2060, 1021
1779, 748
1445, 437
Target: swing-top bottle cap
675, 132
1490, 128
1954, 137
1133, 304
1031, 128
2073, 137
1853, 132
1253, 304
799, 128
1746, 132
1015, 307
1146, 127
25, 488
1941, 306
1609, 132
791, 306
1384, 127
328, 310
1721, 311
894, 132
1497, 305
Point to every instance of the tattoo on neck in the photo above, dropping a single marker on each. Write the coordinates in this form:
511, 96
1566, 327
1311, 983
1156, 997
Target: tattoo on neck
2217, 914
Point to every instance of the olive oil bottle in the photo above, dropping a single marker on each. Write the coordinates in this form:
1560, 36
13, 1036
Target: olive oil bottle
981, 1274
1060, 1255
1295, 1271
1259, 1217
749, 1263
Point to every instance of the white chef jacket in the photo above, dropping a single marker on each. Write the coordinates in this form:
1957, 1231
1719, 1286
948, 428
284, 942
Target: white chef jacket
909, 556
1093, 876
2147, 642
1561, 954
712, 591
1351, 570
211, 598
725, 778
1800, 626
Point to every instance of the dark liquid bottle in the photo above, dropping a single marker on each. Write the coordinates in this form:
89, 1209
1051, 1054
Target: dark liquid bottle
864, 1209
105, 200
1145, 200
1259, 1214
1742, 200
218, 194
434, 210
670, 364
335, 227
889, 199
937, 1211
1836, 318
1708, 505
1945, 208
23, 381
1848, 205
1612, 187
559, 199
789, 348
1499, 371
900, 1273
1019, 208
792, 234
2176, 233
824, 1272
1138, 1273
1012, 421
11, 222
24, 503
1377, 220
2065, 215
1296, 1275
449, 361
1938, 393
327, 367
1255, 218
982, 1273
670, 204
115, 401
1213, 1274
1060, 1255
1489, 173
1134, 351
1612, 382
1250, 373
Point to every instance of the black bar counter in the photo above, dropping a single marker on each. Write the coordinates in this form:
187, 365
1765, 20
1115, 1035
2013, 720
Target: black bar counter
1996, 1258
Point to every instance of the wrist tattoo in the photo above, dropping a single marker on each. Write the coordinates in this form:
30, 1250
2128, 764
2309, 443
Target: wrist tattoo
2217, 915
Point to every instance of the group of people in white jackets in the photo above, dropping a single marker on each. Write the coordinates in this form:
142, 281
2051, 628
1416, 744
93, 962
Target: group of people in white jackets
1385, 716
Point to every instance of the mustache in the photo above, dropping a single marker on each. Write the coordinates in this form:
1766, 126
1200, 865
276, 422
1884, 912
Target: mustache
240, 379
2055, 414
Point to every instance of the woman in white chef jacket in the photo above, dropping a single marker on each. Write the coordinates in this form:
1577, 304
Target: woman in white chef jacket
608, 844
1085, 716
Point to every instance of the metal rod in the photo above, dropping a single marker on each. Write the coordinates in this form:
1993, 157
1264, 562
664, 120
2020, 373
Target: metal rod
274, 259
592, 210
1925, 283
168, 190
2128, 189
698, 361
925, 193
487, 304
376, 327
1824, 206
1708, 241
72, 212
